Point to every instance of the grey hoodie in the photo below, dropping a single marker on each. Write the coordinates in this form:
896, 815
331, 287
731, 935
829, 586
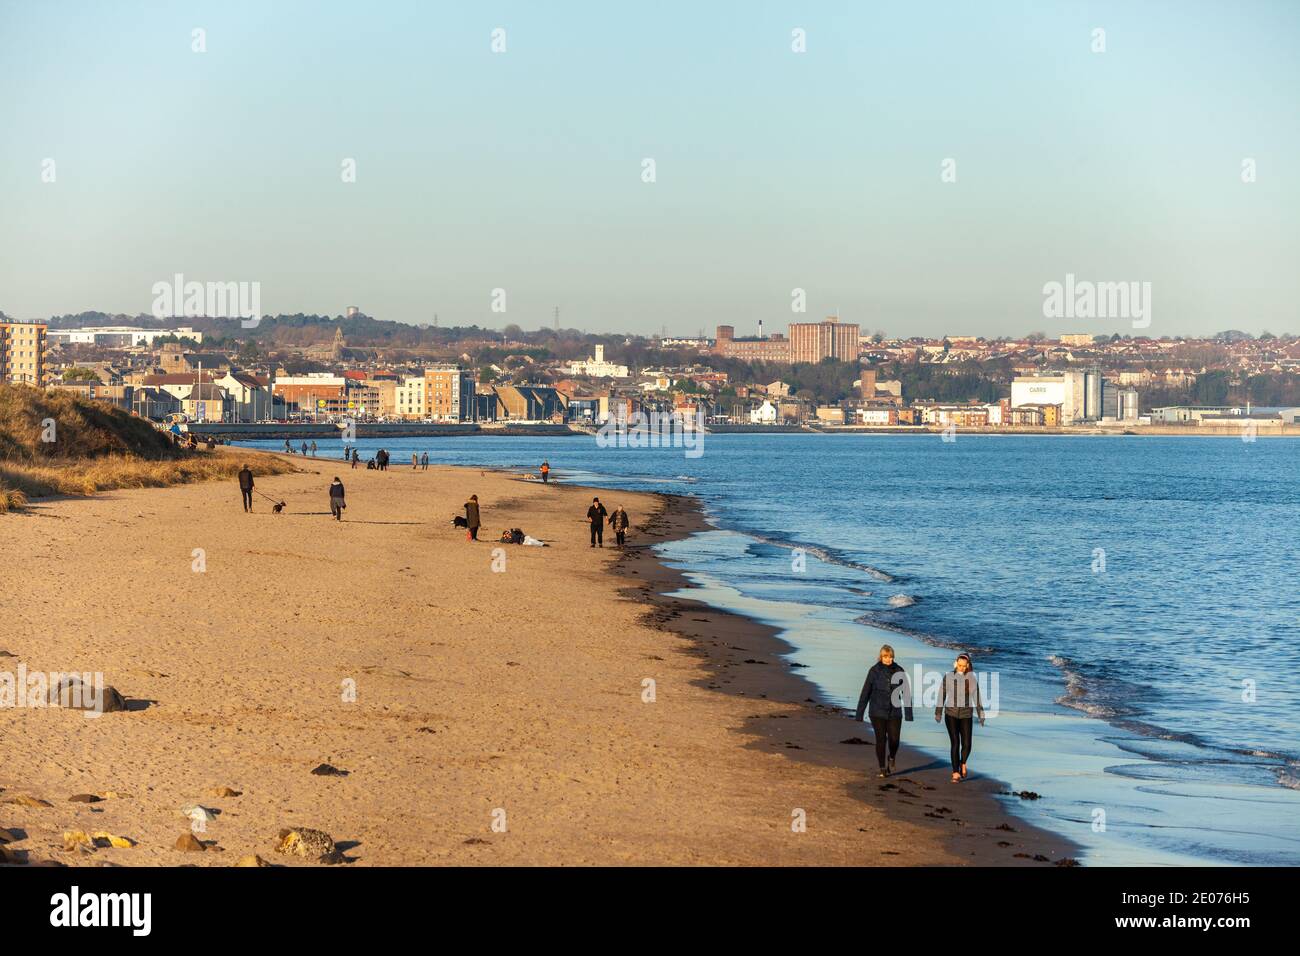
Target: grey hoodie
959, 693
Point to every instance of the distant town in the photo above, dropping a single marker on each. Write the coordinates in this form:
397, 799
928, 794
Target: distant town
828, 375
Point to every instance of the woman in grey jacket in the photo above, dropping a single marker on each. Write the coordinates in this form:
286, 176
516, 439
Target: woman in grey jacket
959, 702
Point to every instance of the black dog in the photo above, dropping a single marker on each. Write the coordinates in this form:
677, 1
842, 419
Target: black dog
278, 507
459, 522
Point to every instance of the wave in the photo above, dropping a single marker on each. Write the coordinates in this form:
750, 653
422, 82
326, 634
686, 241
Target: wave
1288, 776
825, 554
873, 620
902, 600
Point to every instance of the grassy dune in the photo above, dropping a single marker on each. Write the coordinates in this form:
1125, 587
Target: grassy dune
54, 443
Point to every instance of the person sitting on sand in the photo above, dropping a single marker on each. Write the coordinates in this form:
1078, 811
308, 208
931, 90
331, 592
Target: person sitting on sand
886, 699
337, 504
246, 487
596, 516
618, 524
959, 698
471, 518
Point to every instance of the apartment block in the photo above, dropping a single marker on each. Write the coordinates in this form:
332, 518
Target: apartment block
23, 352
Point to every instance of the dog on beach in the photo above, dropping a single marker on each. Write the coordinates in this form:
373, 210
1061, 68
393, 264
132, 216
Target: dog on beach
458, 521
278, 507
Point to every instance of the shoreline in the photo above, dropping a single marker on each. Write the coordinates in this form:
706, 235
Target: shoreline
475, 692
806, 727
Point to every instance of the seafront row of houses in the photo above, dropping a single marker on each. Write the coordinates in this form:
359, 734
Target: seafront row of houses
174, 380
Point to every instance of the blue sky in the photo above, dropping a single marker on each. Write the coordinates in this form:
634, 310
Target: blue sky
774, 170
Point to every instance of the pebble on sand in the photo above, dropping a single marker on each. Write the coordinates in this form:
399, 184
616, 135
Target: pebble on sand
329, 770
71, 692
187, 843
310, 844
252, 860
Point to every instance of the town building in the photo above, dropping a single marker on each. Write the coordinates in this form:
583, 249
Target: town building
773, 349
810, 342
23, 351
449, 393
597, 367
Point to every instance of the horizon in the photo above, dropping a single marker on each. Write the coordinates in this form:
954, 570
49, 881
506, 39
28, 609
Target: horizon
826, 171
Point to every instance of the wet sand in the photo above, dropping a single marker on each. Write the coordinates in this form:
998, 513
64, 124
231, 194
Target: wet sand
490, 704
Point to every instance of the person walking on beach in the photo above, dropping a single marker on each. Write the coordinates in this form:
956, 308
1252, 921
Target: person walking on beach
381, 459
424, 462
304, 449
618, 524
415, 461
471, 518
355, 458
313, 449
959, 703
288, 447
886, 699
337, 504
546, 472
246, 487
596, 515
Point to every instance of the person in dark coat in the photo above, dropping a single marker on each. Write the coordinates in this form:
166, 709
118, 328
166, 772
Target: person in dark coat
886, 699
246, 487
618, 523
381, 459
959, 704
337, 504
424, 461
355, 458
472, 522
596, 515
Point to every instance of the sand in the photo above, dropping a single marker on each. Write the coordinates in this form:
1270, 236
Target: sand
499, 716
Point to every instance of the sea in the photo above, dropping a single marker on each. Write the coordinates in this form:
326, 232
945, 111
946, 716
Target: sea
1130, 604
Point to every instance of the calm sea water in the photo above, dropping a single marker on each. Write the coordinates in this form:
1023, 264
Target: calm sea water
1135, 599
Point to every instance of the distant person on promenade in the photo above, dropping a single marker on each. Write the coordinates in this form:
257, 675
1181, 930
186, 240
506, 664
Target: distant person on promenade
546, 472
424, 462
596, 515
472, 522
337, 504
618, 524
886, 699
313, 448
959, 703
246, 487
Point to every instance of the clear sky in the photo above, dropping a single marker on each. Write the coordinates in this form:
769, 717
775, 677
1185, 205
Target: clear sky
774, 170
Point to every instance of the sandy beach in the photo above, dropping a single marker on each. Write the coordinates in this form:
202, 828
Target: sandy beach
486, 706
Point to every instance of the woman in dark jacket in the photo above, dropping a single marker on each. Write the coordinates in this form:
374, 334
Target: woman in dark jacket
336, 499
472, 522
959, 701
886, 699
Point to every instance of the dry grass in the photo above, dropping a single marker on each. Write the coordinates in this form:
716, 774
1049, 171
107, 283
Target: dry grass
85, 476
97, 447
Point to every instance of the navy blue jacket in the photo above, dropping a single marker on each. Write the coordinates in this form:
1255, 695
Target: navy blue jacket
886, 693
